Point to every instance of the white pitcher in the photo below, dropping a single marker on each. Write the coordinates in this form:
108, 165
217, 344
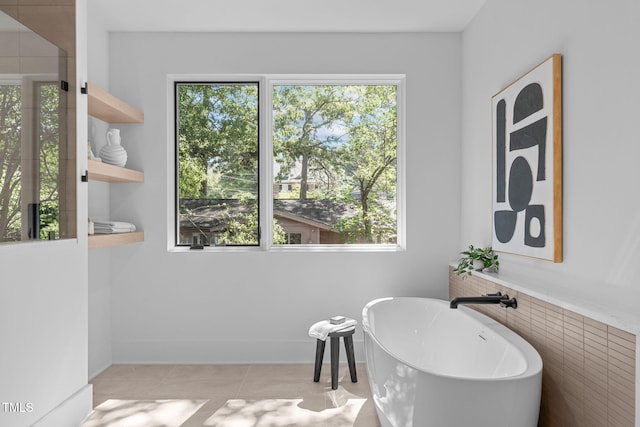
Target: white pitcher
113, 136
113, 153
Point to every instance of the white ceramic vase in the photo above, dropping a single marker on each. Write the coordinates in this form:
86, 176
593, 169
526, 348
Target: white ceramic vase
114, 153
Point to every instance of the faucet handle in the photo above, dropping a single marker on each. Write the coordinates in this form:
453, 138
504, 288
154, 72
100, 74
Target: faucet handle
497, 294
506, 302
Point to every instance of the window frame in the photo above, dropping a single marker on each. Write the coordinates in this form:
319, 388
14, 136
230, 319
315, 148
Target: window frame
266, 83
176, 158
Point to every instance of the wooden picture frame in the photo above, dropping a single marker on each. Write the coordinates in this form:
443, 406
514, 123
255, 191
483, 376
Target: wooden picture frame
527, 164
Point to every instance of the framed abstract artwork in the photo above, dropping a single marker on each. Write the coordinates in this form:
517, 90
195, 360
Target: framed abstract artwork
527, 164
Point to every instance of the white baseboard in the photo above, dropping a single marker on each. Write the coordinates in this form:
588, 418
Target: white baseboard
92, 375
71, 412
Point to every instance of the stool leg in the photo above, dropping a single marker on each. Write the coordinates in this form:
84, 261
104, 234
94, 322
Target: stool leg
335, 358
348, 346
319, 355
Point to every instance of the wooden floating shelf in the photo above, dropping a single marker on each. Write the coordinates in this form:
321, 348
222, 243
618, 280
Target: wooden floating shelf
108, 108
107, 240
100, 171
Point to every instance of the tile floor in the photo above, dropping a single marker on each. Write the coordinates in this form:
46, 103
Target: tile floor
229, 396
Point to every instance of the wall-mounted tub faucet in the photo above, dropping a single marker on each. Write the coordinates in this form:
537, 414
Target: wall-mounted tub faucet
496, 298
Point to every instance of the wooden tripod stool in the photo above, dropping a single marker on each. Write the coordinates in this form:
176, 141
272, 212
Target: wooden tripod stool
347, 335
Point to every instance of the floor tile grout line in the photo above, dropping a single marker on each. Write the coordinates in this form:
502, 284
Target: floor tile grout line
242, 382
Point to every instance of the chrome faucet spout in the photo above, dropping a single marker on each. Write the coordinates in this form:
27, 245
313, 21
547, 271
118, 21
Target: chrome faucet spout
496, 298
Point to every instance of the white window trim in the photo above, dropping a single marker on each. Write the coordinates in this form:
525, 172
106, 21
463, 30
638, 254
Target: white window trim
267, 81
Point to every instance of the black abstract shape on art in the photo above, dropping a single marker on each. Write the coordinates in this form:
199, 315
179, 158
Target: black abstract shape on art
501, 147
504, 225
528, 101
530, 136
520, 184
534, 212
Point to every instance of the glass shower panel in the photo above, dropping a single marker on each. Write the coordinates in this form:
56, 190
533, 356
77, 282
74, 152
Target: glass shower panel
33, 136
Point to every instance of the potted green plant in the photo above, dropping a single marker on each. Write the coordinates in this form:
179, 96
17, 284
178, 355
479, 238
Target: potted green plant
477, 259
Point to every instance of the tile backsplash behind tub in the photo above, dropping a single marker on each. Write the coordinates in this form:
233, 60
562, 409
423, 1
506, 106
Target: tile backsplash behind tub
589, 372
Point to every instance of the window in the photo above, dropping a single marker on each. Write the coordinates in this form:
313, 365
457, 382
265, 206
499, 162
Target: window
217, 163
294, 238
331, 154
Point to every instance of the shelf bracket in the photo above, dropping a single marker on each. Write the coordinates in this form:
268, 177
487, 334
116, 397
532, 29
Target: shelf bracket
64, 85
85, 89
85, 177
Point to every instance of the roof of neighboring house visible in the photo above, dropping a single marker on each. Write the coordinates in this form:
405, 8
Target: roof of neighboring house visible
213, 214
320, 213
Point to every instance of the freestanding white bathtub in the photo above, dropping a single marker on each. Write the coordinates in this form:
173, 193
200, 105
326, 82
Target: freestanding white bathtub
432, 366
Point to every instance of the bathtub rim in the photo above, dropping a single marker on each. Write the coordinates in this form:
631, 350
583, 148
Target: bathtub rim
532, 357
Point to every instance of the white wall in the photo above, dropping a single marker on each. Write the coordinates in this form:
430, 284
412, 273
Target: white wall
598, 41
100, 352
257, 307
